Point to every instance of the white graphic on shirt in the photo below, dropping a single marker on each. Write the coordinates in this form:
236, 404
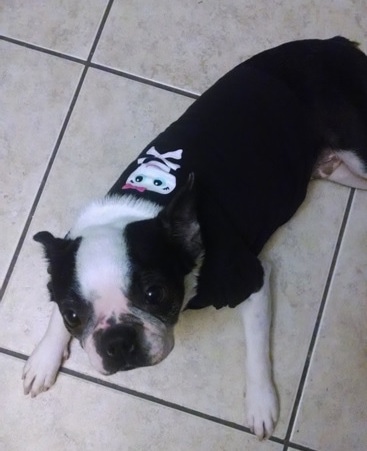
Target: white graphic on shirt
155, 174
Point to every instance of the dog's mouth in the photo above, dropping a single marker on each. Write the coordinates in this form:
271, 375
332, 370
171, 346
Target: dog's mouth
108, 366
111, 372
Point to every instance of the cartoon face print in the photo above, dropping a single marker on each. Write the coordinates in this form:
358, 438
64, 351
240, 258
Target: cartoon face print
152, 178
155, 172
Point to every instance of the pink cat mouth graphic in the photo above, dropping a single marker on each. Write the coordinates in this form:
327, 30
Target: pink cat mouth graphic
141, 189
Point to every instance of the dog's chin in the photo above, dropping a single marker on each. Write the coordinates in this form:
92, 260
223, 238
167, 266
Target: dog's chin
105, 372
127, 367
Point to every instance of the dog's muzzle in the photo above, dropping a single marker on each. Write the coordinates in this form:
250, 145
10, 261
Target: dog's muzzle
133, 342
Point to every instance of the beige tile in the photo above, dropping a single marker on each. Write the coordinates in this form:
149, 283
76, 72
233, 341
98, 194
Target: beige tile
189, 44
114, 118
333, 414
84, 416
66, 26
35, 93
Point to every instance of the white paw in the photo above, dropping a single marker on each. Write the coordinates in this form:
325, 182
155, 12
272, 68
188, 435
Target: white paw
40, 370
262, 410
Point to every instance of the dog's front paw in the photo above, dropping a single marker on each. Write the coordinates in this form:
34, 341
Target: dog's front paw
40, 370
262, 410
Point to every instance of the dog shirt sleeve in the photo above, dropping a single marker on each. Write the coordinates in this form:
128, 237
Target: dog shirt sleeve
231, 271
226, 280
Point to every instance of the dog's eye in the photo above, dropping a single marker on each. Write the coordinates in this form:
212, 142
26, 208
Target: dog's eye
158, 182
71, 318
155, 294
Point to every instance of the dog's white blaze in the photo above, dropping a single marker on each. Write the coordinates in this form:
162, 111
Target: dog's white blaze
111, 304
102, 267
114, 211
102, 263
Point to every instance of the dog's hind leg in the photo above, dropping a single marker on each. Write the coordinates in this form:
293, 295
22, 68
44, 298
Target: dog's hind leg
343, 167
261, 398
41, 369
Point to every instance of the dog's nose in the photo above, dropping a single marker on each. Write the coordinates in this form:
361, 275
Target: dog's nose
120, 344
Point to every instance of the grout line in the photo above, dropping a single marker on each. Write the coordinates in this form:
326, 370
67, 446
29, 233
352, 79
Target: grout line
146, 81
100, 30
88, 62
299, 447
52, 157
144, 396
318, 320
42, 49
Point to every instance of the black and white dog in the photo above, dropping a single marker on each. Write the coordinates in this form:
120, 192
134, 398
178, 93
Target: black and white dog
184, 224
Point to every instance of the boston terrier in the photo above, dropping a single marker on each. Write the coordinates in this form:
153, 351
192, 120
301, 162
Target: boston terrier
184, 224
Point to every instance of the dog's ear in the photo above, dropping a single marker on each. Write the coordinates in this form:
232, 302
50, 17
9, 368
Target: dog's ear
179, 219
56, 248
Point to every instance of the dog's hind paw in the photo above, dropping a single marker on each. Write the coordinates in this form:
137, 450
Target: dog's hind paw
40, 370
262, 411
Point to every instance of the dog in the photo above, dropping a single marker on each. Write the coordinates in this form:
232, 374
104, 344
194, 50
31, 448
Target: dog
184, 224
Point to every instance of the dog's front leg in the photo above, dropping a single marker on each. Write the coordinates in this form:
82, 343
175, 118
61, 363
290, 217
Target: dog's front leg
261, 398
41, 369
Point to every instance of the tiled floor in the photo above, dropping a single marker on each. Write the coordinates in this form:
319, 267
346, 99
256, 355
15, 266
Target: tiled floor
84, 85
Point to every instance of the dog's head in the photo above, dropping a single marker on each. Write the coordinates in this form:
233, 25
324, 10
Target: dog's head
121, 281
